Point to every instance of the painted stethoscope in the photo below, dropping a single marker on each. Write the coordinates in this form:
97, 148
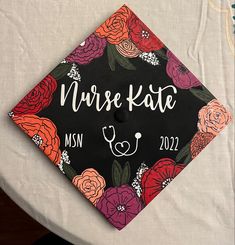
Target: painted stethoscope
120, 149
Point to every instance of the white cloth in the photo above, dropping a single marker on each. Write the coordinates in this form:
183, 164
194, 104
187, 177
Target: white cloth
198, 208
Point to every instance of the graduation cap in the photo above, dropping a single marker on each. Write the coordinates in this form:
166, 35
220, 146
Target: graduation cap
121, 116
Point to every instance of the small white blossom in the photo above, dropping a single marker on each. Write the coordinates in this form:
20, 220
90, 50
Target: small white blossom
64, 159
150, 58
11, 114
37, 140
60, 165
136, 184
63, 61
74, 73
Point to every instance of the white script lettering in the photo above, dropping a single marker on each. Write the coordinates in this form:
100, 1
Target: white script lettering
153, 100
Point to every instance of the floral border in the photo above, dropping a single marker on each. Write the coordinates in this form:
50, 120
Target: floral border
126, 37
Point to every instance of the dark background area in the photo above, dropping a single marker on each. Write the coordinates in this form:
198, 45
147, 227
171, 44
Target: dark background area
179, 122
17, 227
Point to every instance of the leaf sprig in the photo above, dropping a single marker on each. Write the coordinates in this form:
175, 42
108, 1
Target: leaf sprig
120, 176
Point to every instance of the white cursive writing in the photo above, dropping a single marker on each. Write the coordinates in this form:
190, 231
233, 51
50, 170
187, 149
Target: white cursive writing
153, 100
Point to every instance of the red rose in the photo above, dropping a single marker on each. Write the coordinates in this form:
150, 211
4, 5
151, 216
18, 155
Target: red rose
144, 39
155, 179
38, 98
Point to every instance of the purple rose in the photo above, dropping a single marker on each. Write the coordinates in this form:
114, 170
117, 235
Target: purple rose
181, 76
119, 205
92, 47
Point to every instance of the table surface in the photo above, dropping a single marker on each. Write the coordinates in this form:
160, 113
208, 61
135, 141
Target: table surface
199, 207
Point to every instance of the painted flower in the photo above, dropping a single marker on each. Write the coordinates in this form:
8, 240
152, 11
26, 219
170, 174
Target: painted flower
213, 117
180, 75
199, 142
74, 73
93, 47
136, 184
128, 49
115, 29
38, 98
155, 179
64, 159
43, 133
91, 184
144, 39
119, 205
150, 58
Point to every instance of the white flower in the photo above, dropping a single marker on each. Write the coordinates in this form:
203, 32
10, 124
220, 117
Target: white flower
150, 58
136, 184
37, 140
11, 114
64, 159
74, 73
60, 165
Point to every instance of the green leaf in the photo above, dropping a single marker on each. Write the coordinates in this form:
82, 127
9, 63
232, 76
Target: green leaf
124, 62
113, 56
203, 94
69, 171
116, 173
161, 54
183, 153
126, 174
208, 92
120, 176
61, 70
188, 159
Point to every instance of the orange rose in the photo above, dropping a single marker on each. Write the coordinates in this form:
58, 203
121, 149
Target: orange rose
115, 27
128, 49
91, 184
213, 117
43, 132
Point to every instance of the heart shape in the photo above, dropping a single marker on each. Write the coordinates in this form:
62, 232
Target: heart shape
122, 147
